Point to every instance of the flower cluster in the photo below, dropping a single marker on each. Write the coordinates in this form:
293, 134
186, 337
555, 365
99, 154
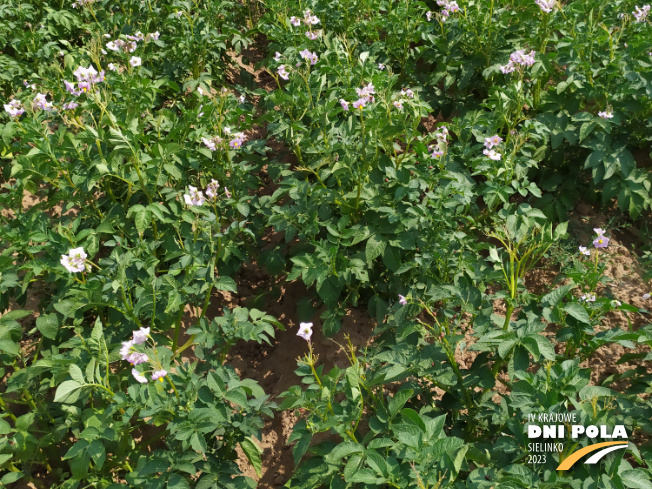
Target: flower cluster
305, 331
606, 114
86, 79
489, 143
442, 140
129, 353
80, 3
546, 5
212, 143
282, 72
14, 108
75, 260
309, 19
366, 94
195, 197
40, 102
211, 189
237, 140
518, 58
601, 241
406, 92
641, 13
449, 6
120, 45
307, 55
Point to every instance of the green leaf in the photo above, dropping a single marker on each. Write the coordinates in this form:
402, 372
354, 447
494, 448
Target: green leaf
553, 298
398, 401
68, 392
13, 315
143, 220
11, 477
253, 452
636, 479
342, 450
578, 312
590, 391
48, 325
375, 247
76, 374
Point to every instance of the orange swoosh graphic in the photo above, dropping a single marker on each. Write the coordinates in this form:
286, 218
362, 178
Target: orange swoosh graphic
575, 456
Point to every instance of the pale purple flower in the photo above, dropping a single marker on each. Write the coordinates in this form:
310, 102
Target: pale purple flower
508, 68
588, 298
305, 331
367, 93
283, 73
242, 99
211, 189
195, 197
84, 87
344, 104
406, 92
70, 106
307, 55
70, 88
397, 104
212, 142
312, 35
113, 67
601, 241
139, 337
546, 5
75, 260
14, 108
641, 13
295, 21
154, 35
359, 104
442, 134
310, 19
138, 37
277, 56
40, 102
585, 251
227, 193
492, 141
607, 114
438, 152
159, 374
492, 154
402, 300
381, 66
238, 140
179, 14
138, 376
429, 15
126, 349
114, 45
136, 358
599, 231
135, 61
